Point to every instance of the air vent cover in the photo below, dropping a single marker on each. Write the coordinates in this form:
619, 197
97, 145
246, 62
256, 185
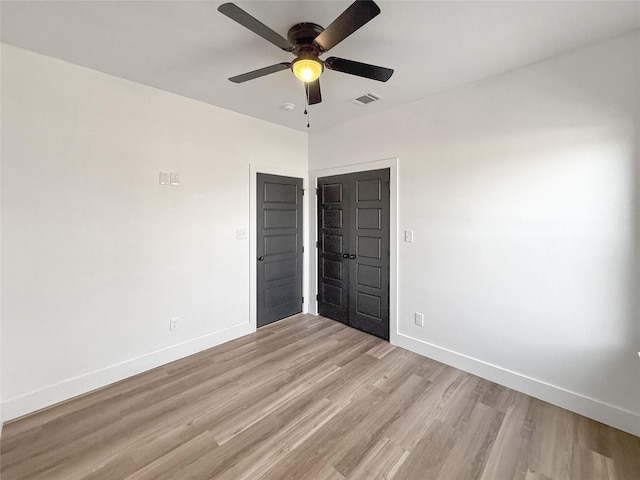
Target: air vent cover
366, 99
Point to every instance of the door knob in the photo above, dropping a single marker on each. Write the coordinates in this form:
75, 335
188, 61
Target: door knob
260, 258
352, 256
345, 255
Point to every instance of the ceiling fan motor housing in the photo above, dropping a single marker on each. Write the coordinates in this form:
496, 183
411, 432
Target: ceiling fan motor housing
302, 35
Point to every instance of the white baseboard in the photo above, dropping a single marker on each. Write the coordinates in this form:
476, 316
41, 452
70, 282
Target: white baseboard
600, 411
52, 394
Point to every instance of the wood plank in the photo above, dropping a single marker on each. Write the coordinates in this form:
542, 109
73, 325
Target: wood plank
309, 398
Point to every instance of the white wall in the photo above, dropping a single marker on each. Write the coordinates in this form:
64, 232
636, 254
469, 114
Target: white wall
522, 193
96, 255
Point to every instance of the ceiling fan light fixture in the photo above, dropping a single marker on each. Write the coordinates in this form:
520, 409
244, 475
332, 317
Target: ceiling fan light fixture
307, 69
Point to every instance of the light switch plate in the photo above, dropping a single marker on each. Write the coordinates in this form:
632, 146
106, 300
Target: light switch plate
164, 178
174, 323
408, 236
175, 178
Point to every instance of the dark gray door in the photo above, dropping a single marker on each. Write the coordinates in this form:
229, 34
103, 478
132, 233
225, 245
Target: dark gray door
353, 250
333, 257
279, 247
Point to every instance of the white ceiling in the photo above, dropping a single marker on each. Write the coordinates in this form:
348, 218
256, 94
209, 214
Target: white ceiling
189, 48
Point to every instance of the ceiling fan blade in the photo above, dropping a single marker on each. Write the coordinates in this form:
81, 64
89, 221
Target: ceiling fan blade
314, 92
243, 18
261, 72
373, 72
354, 17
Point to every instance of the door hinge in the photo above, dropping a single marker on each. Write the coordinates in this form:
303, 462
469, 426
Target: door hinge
317, 191
302, 189
302, 299
317, 244
316, 296
303, 249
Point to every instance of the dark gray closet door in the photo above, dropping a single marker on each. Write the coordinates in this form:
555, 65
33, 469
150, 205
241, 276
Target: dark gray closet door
369, 270
353, 251
279, 247
333, 238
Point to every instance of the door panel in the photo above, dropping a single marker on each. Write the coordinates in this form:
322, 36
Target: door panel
279, 270
275, 244
368, 276
333, 295
353, 255
279, 247
368, 247
280, 218
369, 189
332, 193
368, 218
332, 269
275, 191
369, 286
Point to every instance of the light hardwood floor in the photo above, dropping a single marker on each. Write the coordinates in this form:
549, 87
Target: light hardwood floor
308, 398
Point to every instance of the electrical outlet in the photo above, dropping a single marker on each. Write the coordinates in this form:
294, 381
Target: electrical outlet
174, 323
419, 319
408, 236
241, 233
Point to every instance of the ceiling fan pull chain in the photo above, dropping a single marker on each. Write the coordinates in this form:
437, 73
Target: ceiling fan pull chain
306, 101
306, 97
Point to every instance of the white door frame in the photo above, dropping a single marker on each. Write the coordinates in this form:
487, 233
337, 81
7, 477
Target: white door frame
392, 165
254, 169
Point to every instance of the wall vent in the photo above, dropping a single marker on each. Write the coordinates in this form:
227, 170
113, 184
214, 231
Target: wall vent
366, 99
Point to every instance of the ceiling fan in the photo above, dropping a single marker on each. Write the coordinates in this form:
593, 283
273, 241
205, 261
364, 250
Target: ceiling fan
307, 41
